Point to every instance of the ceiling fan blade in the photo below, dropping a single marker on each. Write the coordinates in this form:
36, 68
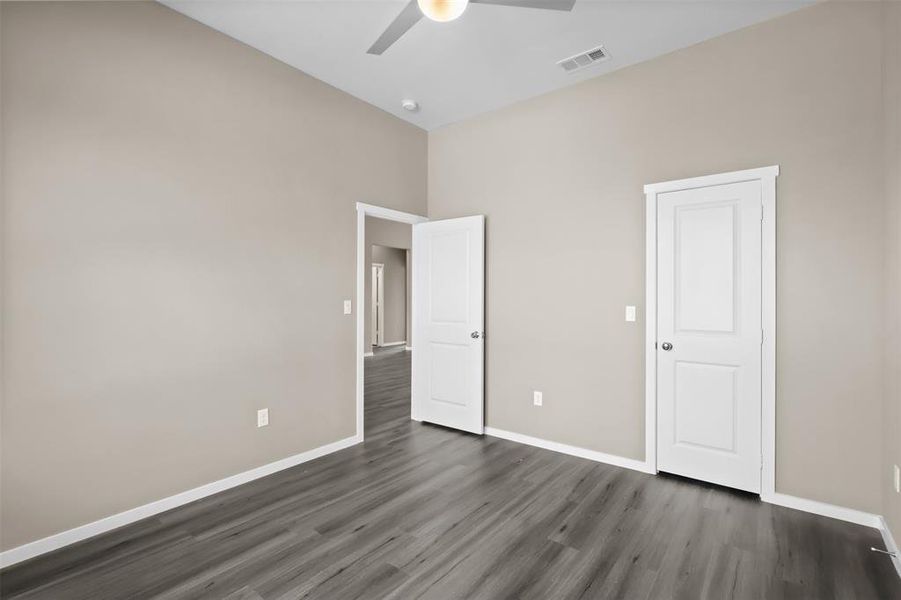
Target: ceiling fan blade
399, 26
565, 5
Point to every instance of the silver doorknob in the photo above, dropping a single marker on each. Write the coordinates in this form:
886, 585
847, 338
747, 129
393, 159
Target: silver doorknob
666, 346
474, 335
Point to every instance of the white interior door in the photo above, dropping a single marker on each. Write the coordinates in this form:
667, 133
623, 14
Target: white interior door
448, 322
709, 334
378, 304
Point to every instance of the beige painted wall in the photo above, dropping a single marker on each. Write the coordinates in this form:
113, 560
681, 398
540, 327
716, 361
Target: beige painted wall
179, 236
383, 233
395, 291
170, 194
560, 179
892, 337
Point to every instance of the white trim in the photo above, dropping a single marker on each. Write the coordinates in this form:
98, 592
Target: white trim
890, 544
650, 353
389, 214
408, 348
377, 319
389, 344
83, 532
767, 177
768, 346
709, 180
823, 509
810, 506
363, 211
601, 457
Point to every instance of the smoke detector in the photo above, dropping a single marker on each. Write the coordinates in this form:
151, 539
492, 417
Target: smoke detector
410, 105
584, 59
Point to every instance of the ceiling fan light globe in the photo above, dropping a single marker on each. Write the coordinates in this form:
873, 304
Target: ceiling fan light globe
442, 11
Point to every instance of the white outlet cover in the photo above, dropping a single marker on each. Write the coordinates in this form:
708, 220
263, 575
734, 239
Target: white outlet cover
630, 313
263, 417
537, 398
897, 480
348, 307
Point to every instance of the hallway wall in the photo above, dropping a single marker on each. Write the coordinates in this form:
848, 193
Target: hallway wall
395, 291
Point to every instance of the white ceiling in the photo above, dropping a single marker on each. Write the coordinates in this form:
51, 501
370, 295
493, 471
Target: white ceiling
490, 57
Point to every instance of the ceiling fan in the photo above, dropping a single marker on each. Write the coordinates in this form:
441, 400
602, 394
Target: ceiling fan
448, 10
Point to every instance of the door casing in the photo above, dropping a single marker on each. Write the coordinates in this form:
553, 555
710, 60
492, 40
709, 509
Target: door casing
767, 178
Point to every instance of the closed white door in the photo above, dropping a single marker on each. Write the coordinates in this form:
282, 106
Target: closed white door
709, 334
448, 322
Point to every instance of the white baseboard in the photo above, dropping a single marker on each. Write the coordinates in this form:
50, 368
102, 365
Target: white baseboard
890, 544
389, 344
408, 348
812, 506
367, 354
56, 541
610, 459
827, 510
71, 536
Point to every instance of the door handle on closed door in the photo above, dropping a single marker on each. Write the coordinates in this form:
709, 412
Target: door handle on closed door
476, 335
666, 346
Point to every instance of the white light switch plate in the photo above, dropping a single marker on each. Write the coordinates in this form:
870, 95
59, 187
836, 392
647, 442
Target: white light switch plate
347, 307
630, 313
537, 398
897, 480
262, 417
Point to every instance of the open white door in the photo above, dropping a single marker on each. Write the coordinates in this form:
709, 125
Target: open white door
709, 333
448, 322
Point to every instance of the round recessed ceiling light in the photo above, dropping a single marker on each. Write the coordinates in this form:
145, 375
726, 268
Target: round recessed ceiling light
442, 10
410, 105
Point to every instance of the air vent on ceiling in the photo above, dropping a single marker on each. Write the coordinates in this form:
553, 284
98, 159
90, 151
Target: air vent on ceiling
584, 59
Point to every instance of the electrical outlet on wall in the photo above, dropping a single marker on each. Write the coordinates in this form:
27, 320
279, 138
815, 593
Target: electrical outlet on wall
262, 417
537, 398
897, 481
347, 307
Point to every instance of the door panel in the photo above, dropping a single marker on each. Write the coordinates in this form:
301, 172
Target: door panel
448, 307
705, 237
704, 405
709, 309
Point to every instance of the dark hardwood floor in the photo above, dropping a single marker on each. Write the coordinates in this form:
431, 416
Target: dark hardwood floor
419, 511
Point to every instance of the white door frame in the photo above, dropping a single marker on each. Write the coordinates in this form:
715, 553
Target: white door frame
363, 211
377, 319
767, 177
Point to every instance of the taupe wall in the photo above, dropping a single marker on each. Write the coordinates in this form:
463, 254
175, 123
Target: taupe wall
383, 233
892, 337
560, 179
395, 291
179, 236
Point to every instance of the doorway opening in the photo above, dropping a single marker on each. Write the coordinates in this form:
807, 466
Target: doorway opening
445, 267
384, 316
387, 366
389, 305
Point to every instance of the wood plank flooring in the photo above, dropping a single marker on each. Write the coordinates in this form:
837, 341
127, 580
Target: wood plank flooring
419, 511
